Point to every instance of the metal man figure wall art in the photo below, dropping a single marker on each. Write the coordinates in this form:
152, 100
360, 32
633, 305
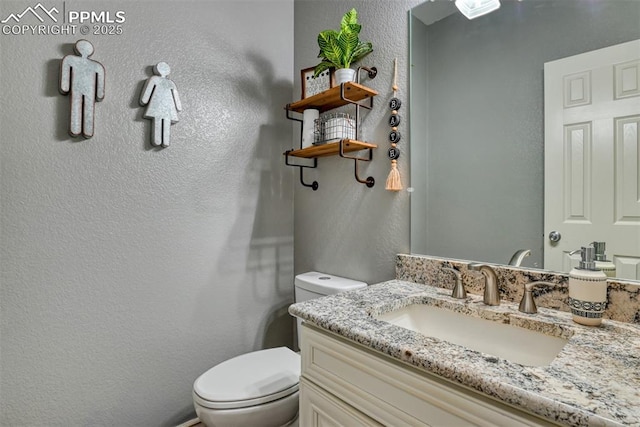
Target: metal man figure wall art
160, 95
83, 80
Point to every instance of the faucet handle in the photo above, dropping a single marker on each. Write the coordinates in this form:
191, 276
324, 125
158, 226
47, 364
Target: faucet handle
458, 290
527, 303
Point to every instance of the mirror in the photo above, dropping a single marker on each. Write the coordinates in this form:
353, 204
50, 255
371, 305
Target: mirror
476, 125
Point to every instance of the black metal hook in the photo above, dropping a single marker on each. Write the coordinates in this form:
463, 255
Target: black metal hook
369, 181
314, 184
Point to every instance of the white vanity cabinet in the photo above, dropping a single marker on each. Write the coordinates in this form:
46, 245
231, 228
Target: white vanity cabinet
346, 384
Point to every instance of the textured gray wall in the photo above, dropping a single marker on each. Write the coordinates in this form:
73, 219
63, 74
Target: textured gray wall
345, 228
485, 120
127, 271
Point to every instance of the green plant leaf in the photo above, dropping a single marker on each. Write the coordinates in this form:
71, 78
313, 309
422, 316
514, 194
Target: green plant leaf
354, 28
329, 48
324, 65
350, 17
362, 50
347, 41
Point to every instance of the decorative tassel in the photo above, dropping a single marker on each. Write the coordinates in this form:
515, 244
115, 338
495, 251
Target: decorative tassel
394, 183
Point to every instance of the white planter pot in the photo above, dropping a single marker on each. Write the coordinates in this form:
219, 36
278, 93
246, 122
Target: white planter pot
344, 75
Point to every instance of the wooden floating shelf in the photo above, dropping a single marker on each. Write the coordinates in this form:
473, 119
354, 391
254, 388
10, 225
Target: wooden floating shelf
331, 149
331, 98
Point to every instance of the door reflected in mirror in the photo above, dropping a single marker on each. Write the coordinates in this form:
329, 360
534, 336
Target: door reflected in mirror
478, 131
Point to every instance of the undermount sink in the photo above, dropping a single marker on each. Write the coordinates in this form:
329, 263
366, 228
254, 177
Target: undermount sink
505, 341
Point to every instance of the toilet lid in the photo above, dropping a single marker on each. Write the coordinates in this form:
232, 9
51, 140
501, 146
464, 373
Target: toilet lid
249, 379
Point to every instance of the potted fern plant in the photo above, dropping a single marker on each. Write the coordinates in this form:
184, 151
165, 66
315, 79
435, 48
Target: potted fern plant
342, 48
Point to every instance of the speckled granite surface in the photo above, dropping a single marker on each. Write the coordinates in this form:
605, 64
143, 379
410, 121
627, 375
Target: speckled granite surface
623, 296
594, 381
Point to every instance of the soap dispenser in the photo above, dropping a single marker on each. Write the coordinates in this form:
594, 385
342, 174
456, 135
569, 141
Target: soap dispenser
587, 290
602, 263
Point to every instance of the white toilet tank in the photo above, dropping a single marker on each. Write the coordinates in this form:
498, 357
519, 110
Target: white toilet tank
315, 285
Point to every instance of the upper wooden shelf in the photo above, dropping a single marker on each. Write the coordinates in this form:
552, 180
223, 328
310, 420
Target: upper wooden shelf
331, 149
331, 98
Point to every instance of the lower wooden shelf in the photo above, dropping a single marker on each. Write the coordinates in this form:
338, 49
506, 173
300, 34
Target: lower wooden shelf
331, 149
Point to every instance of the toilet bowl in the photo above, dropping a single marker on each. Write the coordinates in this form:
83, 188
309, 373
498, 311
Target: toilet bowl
261, 388
258, 388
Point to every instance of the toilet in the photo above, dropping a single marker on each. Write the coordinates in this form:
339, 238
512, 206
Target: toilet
261, 388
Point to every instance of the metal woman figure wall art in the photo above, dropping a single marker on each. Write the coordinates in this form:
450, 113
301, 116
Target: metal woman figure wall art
83, 80
160, 95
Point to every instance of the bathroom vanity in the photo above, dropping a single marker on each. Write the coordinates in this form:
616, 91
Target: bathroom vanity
339, 377
361, 368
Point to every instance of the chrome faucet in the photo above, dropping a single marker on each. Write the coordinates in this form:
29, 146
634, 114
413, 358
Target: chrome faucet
527, 303
519, 256
491, 291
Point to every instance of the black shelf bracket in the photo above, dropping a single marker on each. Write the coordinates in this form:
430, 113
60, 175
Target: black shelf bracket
290, 117
369, 181
372, 73
314, 184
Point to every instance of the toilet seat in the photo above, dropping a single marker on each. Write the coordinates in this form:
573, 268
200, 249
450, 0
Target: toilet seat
250, 379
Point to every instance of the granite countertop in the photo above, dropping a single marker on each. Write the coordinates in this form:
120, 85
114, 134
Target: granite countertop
595, 380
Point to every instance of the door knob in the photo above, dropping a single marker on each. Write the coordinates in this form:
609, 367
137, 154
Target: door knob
555, 236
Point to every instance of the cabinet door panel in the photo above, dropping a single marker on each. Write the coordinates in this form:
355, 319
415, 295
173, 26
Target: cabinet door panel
320, 409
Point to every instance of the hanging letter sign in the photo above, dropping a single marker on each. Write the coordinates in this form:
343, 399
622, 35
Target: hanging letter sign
160, 95
83, 80
394, 183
